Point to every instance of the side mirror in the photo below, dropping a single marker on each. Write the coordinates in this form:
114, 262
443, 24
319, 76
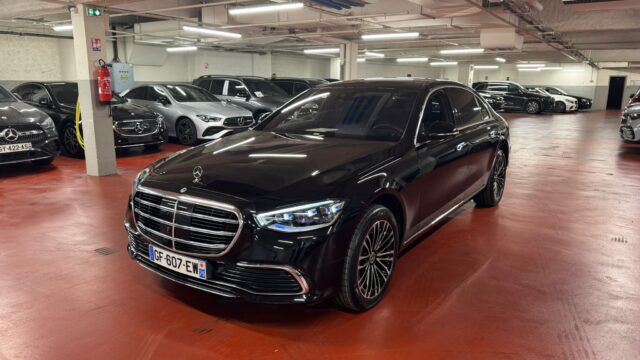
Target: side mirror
44, 102
632, 96
247, 97
17, 96
263, 116
164, 100
442, 129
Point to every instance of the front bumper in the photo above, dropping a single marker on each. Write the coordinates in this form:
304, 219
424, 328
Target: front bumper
584, 105
572, 106
261, 265
122, 140
630, 130
41, 150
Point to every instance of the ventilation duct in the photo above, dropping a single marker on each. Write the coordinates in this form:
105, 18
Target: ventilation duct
503, 39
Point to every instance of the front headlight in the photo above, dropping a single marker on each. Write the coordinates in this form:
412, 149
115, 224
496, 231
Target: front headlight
302, 218
138, 179
48, 124
209, 118
634, 116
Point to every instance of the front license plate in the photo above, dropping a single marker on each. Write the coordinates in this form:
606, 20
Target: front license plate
179, 263
15, 148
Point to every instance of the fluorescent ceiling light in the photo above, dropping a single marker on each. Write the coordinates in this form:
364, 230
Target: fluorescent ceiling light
530, 69
182, 48
362, 60
63, 27
388, 36
502, 60
216, 33
374, 54
322, 51
413, 59
530, 65
461, 51
573, 70
486, 67
551, 68
243, 10
444, 63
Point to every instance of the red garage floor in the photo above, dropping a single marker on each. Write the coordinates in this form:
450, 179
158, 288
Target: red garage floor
553, 272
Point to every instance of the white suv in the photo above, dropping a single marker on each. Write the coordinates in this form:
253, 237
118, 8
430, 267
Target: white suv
630, 124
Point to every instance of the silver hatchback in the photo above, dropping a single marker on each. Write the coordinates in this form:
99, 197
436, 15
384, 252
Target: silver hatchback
191, 113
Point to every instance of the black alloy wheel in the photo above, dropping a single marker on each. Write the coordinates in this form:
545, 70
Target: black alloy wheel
70, 145
186, 132
492, 193
560, 107
370, 261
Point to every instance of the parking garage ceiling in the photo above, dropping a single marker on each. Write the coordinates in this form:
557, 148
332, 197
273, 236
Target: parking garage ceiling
551, 30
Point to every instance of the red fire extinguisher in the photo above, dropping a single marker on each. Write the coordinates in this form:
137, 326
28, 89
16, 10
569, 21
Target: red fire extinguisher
104, 83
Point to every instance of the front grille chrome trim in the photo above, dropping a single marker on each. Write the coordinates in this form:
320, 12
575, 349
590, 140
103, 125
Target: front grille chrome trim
187, 199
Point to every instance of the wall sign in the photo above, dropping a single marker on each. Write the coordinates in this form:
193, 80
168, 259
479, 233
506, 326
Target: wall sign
96, 44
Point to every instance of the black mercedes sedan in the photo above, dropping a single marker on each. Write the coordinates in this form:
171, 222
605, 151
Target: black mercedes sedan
317, 200
516, 97
26, 133
133, 125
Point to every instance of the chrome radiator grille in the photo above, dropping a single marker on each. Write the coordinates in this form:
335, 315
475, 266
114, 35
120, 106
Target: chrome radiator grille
239, 121
140, 127
186, 224
26, 133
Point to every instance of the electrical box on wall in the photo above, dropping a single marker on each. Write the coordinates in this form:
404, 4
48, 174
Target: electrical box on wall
121, 77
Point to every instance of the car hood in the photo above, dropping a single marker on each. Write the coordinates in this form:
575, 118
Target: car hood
632, 109
129, 111
19, 113
579, 98
255, 164
272, 102
222, 109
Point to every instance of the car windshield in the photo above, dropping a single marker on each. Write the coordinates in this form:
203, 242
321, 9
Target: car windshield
556, 91
184, 93
5, 95
117, 99
65, 93
261, 88
371, 114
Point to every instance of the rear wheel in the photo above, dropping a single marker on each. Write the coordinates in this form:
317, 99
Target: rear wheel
492, 192
532, 107
70, 145
370, 261
186, 132
560, 107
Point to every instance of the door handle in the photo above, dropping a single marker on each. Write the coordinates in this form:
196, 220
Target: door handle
461, 146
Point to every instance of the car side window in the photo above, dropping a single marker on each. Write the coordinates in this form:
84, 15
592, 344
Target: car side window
26, 92
39, 94
436, 111
154, 93
286, 86
205, 84
299, 88
465, 105
513, 89
497, 88
217, 85
484, 110
137, 93
235, 88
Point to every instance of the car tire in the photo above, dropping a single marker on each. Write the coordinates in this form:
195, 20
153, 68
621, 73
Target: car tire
492, 193
43, 162
560, 107
70, 145
186, 132
366, 274
532, 107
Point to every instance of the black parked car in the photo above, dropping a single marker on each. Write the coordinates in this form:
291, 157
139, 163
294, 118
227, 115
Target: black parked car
133, 125
296, 86
583, 102
253, 93
516, 97
26, 133
318, 199
496, 101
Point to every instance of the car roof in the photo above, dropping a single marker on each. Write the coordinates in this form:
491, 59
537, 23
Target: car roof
297, 79
402, 82
232, 77
46, 83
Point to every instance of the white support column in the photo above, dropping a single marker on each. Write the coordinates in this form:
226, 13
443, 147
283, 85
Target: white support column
465, 73
349, 59
97, 126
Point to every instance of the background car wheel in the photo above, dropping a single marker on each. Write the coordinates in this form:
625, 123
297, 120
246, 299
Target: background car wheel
532, 107
492, 192
560, 107
42, 162
70, 145
370, 260
186, 132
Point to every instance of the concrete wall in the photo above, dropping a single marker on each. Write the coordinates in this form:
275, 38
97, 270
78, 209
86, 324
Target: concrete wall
26, 58
388, 68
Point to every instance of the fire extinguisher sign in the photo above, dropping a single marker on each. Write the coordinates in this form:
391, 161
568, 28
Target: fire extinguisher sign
96, 44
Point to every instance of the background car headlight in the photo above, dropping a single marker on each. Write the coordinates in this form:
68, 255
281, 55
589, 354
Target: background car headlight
48, 124
302, 218
209, 118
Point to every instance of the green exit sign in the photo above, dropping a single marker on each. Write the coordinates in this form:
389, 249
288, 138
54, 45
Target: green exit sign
94, 12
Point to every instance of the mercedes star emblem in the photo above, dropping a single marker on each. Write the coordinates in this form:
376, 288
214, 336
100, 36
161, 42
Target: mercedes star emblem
138, 128
197, 174
10, 134
183, 190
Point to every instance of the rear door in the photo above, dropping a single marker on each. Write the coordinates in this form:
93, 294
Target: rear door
442, 164
478, 139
